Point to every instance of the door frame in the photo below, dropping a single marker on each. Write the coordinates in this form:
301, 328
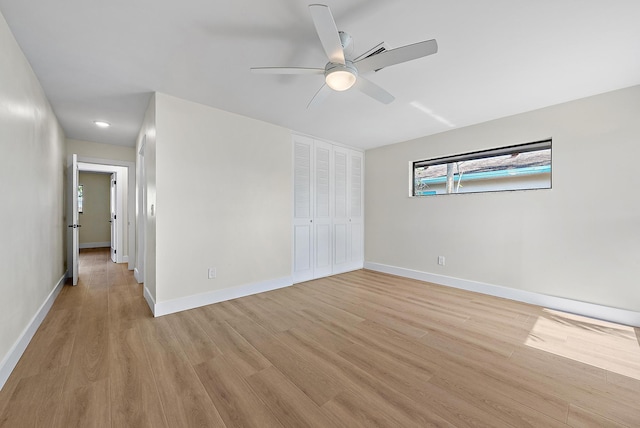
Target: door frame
126, 186
141, 219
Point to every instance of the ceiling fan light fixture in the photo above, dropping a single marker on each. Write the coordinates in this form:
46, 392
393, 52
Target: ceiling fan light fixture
340, 77
342, 71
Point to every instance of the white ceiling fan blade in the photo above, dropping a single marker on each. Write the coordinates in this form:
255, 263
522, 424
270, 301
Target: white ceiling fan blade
287, 70
374, 91
328, 32
398, 55
320, 96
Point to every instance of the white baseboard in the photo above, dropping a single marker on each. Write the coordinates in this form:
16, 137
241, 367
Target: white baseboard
620, 316
136, 275
125, 259
150, 301
13, 356
95, 245
198, 300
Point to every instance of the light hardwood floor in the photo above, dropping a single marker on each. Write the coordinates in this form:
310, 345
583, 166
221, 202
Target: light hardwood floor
358, 349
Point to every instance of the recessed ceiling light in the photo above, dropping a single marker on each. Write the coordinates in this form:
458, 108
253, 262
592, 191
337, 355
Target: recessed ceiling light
102, 123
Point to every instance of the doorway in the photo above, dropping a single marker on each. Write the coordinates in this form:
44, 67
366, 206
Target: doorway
116, 179
120, 199
96, 209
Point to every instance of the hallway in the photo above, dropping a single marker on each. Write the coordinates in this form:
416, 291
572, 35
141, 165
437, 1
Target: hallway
63, 375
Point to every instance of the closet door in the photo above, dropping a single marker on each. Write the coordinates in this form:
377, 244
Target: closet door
328, 209
323, 171
341, 227
348, 221
303, 198
356, 209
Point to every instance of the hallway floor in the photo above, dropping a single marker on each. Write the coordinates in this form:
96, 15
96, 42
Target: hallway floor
63, 376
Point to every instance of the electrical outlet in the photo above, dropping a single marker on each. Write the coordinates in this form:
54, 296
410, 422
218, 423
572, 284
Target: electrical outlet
441, 260
211, 273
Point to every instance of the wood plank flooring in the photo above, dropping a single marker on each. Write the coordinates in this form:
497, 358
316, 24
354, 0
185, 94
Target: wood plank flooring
362, 349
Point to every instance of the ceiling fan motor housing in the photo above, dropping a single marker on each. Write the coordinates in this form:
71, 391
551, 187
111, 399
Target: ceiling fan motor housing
345, 39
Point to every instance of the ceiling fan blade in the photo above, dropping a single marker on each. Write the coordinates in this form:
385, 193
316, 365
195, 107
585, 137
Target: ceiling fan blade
374, 91
287, 70
328, 32
398, 55
320, 96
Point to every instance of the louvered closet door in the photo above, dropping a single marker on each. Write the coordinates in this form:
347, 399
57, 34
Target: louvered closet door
356, 209
323, 205
328, 209
303, 242
348, 224
341, 227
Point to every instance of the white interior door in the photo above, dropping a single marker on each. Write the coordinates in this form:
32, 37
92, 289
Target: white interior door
303, 236
356, 208
112, 206
73, 243
322, 209
341, 226
328, 227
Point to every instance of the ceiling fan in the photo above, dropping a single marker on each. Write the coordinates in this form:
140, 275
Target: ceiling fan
341, 72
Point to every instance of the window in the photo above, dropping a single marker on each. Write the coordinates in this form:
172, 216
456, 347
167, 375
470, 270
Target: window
520, 167
80, 188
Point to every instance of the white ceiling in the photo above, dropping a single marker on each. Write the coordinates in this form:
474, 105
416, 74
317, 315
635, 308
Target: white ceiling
103, 59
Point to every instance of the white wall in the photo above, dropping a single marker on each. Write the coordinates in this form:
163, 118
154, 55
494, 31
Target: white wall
96, 208
90, 149
579, 240
224, 200
32, 215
